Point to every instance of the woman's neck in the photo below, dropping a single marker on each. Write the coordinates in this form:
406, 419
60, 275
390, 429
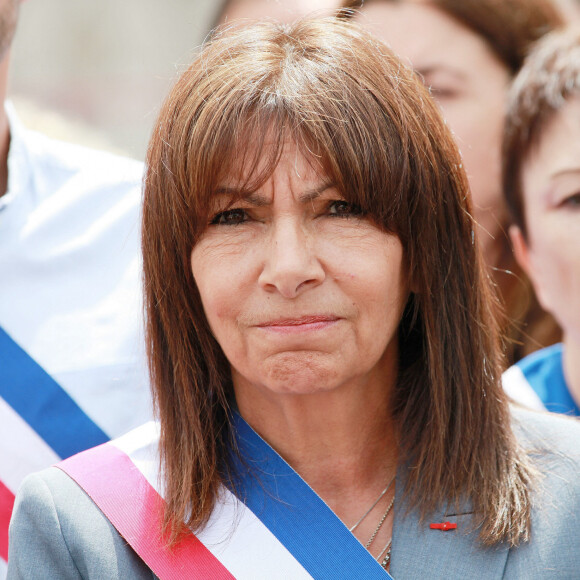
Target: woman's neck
341, 443
571, 364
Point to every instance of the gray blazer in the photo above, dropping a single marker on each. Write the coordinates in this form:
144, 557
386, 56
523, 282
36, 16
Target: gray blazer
58, 533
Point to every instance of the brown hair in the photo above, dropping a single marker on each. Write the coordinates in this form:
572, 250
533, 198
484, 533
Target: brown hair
550, 75
509, 27
347, 102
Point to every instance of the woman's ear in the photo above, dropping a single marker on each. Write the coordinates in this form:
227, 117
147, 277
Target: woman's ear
524, 258
521, 250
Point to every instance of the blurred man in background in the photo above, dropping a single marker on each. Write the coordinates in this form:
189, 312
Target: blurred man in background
72, 370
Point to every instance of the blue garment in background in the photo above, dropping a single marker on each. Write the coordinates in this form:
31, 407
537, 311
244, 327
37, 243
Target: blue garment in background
544, 372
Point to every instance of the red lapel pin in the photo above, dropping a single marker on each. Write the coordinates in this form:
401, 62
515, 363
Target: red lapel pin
443, 526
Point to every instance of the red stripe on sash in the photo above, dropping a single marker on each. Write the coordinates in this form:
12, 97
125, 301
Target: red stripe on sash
129, 502
6, 507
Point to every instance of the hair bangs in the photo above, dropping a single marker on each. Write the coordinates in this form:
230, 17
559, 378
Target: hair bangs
335, 115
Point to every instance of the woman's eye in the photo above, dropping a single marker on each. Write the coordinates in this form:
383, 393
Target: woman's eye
573, 201
341, 208
230, 217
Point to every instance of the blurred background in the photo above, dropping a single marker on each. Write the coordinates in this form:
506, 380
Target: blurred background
96, 72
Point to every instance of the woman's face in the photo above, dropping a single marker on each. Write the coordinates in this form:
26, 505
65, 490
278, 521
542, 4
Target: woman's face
551, 190
303, 294
466, 79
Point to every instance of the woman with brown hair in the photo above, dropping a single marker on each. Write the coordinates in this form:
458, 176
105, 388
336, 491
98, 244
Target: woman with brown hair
466, 52
322, 347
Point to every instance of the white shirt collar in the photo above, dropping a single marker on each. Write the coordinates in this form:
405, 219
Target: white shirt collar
19, 172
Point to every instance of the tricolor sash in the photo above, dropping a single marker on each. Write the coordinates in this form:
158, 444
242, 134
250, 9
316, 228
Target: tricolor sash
39, 424
268, 522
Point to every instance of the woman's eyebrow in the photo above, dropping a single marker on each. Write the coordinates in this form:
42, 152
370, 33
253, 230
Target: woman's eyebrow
312, 194
565, 171
251, 197
259, 200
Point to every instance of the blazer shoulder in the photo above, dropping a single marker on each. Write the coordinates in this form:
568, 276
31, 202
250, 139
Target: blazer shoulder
553, 551
548, 434
57, 531
552, 443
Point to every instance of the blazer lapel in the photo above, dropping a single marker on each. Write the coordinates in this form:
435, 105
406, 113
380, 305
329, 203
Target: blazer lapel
421, 552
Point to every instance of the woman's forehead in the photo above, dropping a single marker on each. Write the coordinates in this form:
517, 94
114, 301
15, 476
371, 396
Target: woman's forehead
251, 167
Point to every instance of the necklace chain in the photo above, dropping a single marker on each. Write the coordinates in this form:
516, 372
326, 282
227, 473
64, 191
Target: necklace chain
385, 556
382, 520
387, 552
353, 528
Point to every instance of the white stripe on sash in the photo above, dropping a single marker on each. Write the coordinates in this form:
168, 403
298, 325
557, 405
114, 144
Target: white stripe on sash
234, 535
241, 542
23, 451
141, 446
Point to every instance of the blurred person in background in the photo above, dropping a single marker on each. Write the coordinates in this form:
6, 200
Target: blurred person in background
279, 10
466, 52
71, 362
542, 186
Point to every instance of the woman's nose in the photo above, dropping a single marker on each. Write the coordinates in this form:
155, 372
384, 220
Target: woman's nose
291, 265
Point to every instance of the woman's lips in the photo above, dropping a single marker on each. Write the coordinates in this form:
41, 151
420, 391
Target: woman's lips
302, 324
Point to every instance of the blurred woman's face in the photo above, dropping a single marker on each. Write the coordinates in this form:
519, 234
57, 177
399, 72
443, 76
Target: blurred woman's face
302, 292
551, 194
466, 79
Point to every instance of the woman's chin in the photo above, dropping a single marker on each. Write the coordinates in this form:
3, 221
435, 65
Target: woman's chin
296, 373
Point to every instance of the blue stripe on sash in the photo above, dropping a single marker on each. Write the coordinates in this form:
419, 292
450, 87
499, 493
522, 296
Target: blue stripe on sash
293, 512
42, 402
